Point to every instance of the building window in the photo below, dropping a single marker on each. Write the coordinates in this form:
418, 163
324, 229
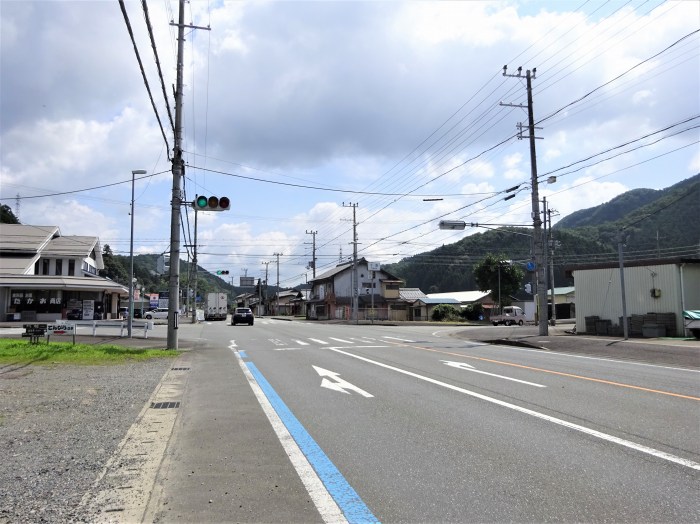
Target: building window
71, 268
45, 266
59, 266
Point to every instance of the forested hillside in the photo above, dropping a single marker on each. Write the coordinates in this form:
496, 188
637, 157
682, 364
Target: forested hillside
654, 224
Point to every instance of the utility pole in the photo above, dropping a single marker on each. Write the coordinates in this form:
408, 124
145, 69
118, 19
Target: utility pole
538, 240
194, 271
313, 251
265, 302
277, 306
178, 173
551, 245
620, 242
354, 259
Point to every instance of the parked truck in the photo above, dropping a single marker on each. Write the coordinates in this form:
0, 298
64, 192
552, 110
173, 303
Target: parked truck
510, 315
216, 307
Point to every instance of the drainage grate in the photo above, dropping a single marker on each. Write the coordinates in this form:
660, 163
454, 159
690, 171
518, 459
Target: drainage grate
180, 369
165, 405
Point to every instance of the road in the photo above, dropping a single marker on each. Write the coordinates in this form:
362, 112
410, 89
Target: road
310, 422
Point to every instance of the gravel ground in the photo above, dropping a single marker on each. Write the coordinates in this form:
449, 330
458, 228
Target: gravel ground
59, 424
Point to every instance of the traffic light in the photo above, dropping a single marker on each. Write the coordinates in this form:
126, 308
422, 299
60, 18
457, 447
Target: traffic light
212, 203
222, 271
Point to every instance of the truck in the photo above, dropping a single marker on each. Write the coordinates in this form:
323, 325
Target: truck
216, 307
510, 315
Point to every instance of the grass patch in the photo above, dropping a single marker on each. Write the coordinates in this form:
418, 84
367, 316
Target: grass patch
23, 352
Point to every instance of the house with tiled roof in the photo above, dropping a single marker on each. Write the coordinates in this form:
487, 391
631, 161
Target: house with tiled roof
376, 290
44, 275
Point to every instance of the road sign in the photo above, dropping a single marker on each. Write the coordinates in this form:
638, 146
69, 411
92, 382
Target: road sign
60, 329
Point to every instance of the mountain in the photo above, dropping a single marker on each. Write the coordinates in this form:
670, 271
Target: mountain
654, 223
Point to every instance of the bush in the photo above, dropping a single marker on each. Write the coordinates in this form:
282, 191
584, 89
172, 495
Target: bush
445, 312
473, 312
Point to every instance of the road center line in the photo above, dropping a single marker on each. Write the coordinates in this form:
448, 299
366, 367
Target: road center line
604, 436
552, 372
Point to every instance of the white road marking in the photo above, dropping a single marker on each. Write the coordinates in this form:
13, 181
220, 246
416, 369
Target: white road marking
401, 339
604, 359
322, 499
599, 434
323, 342
340, 340
332, 380
301, 342
467, 367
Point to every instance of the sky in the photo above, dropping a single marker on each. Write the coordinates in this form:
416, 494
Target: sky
313, 116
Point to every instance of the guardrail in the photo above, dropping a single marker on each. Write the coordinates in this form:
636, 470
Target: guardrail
122, 325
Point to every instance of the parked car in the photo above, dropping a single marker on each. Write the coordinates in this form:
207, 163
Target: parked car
242, 315
510, 316
161, 312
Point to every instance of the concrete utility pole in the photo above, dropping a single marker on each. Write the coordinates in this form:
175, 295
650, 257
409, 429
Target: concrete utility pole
277, 306
620, 242
540, 269
550, 247
354, 260
313, 251
265, 302
194, 271
178, 172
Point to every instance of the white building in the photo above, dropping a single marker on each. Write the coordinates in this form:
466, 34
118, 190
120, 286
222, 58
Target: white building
45, 276
656, 294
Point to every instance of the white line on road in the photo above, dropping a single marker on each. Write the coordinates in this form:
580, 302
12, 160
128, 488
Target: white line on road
318, 341
400, 339
604, 436
467, 367
301, 342
340, 340
605, 359
327, 507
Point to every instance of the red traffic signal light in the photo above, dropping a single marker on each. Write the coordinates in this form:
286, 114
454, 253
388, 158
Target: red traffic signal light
212, 203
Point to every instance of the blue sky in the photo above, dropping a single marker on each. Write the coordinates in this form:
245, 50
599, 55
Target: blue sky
296, 109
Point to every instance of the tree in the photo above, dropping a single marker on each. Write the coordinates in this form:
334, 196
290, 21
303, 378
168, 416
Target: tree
7, 216
499, 276
113, 267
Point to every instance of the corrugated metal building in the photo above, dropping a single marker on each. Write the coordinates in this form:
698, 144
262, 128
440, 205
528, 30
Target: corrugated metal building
656, 294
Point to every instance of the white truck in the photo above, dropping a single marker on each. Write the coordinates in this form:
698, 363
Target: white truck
510, 316
216, 307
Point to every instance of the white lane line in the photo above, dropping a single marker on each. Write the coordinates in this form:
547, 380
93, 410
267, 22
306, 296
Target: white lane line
340, 340
323, 342
322, 499
604, 436
400, 339
604, 359
301, 342
467, 367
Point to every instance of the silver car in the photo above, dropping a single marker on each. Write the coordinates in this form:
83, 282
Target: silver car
161, 312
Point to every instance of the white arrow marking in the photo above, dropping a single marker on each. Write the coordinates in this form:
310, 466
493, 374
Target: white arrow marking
467, 367
332, 380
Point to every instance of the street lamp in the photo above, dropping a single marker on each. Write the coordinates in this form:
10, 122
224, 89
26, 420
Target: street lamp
129, 323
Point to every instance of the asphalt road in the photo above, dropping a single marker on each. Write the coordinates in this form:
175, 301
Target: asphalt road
306, 422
